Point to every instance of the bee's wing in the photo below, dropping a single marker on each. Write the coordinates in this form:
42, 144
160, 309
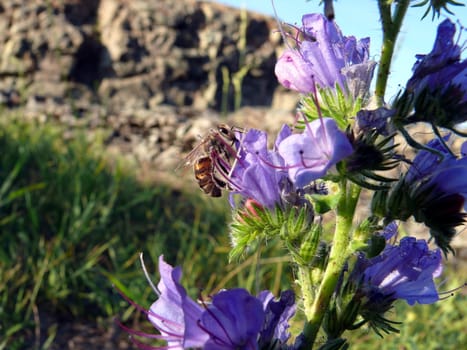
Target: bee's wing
194, 154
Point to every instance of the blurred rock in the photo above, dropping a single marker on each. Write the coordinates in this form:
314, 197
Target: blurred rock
154, 75
139, 54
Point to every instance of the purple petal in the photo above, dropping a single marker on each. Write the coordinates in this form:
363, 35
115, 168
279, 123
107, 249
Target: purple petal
174, 314
321, 57
310, 154
442, 68
258, 172
294, 72
278, 313
406, 271
233, 320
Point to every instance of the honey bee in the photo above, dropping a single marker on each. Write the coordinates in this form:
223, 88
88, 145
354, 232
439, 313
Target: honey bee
204, 174
210, 157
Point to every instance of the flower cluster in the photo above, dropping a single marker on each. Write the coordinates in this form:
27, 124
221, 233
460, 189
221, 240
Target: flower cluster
433, 191
232, 319
326, 58
399, 271
351, 272
298, 158
437, 90
403, 271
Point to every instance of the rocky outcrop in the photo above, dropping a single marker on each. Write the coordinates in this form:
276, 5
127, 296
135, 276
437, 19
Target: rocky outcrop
130, 54
153, 74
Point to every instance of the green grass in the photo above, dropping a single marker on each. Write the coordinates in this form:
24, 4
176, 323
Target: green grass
72, 225
69, 226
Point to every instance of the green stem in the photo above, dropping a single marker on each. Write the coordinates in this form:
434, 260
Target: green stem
337, 257
391, 26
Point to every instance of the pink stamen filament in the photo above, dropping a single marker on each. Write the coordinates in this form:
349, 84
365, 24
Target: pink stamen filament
221, 167
143, 334
318, 109
152, 314
284, 34
291, 166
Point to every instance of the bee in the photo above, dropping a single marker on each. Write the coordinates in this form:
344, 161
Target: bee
204, 174
211, 158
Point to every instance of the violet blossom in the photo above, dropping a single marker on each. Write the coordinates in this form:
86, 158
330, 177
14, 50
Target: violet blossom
326, 58
433, 191
296, 159
439, 177
233, 319
448, 173
259, 171
442, 65
405, 271
438, 192
278, 313
310, 154
175, 314
439, 81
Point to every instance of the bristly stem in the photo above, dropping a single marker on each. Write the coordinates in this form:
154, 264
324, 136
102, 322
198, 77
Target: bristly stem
391, 26
337, 258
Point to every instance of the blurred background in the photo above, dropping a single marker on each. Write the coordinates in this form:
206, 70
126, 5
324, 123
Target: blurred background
100, 101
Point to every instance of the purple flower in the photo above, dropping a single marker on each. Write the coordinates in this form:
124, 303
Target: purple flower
433, 191
378, 119
451, 177
405, 271
310, 154
174, 314
258, 172
439, 81
442, 65
445, 176
390, 230
324, 57
294, 72
425, 163
268, 176
277, 316
234, 319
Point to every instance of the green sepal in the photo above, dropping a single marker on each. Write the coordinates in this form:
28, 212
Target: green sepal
360, 180
363, 235
323, 203
335, 344
437, 6
379, 201
375, 246
310, 245
249, 227
380, 324
333, 103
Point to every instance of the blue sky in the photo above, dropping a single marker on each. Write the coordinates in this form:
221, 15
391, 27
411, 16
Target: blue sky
362, 20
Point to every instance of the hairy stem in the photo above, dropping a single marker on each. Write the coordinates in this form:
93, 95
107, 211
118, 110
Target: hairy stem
337, 258
391, 26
